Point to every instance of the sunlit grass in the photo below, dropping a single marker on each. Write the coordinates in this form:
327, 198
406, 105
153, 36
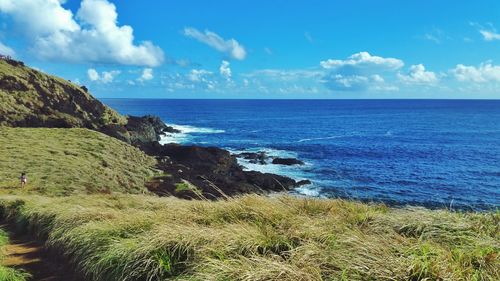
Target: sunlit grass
68, 161
138, 237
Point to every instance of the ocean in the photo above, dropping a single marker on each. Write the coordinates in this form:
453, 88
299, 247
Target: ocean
432, 153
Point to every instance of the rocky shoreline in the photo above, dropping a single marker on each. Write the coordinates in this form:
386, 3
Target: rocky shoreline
195, 171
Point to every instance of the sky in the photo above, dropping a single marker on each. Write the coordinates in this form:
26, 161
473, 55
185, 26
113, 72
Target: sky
295, 49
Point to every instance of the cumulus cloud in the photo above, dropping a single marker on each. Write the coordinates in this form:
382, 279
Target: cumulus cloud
147, 74
418, 75
225, 70
359, 72
339, 82
230, 47
486, 72
195, 80
92, 35
363, 60
199, 75
93, 74
6, 50
105, 77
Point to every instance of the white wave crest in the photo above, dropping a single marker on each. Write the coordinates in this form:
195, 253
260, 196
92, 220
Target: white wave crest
186, 133
323, 138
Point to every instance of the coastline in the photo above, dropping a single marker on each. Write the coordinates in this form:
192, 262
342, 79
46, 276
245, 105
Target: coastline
183, 134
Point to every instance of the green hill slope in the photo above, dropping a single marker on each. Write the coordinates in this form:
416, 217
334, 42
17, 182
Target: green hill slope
68, 161
31, 98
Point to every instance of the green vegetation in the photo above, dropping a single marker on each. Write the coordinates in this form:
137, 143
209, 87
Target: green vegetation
41, 99
186, 186
68, 161
140, 237
6, 273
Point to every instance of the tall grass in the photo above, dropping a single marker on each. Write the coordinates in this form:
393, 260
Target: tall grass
7, 273
138, 237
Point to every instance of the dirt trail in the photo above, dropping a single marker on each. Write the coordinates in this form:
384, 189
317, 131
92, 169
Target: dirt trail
23, 252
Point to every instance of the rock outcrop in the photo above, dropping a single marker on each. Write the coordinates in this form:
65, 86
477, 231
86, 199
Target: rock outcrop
287, 161
213, 170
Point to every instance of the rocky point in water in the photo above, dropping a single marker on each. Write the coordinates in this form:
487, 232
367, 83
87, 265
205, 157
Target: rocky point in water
287, 161
262, 158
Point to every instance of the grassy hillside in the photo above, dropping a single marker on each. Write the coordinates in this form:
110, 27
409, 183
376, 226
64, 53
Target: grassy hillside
31, 98
138, 237
69, 161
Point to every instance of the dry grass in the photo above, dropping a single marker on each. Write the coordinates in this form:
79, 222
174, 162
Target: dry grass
137, 237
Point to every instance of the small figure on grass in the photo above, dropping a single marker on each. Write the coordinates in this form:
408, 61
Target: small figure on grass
24, 179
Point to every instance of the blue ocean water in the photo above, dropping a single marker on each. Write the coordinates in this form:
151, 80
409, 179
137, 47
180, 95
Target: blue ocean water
435, 153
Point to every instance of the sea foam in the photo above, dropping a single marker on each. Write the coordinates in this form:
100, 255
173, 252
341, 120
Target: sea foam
186, 133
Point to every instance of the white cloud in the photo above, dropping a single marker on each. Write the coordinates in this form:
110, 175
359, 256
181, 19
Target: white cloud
364, 60
147, 74
6, 50
486, 72
359, 72
193, 81
109, 76
40, 17
199, 75
418, 75
92, 74
230, 47
91, 36
489, 35
340, 82
225, 70
105, 77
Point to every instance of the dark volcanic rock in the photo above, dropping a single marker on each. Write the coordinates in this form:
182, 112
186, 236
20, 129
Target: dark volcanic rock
303, 182
172, 130
213, 170
270, 182
287, 161
145, 129
254, 157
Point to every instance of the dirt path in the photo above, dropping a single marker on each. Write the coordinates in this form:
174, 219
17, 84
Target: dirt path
23, 252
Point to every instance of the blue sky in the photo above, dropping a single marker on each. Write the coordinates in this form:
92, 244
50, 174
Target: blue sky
261, 49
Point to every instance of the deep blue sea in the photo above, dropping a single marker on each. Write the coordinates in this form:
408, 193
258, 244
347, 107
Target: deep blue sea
435, 153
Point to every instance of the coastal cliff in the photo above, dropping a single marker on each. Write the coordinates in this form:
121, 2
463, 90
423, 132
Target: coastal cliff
31, 98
